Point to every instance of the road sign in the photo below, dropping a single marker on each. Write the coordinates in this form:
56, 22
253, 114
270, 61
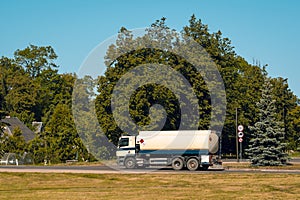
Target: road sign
241, 134
240, 139
240, 128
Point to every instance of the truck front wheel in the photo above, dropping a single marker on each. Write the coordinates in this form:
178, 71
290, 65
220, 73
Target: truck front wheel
177, 163
192, 164
130, 163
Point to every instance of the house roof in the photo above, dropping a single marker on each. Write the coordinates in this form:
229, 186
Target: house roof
13, 123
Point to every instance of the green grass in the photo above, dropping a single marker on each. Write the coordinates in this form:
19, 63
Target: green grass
149, 186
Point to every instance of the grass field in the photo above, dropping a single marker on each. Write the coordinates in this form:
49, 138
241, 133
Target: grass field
149, 186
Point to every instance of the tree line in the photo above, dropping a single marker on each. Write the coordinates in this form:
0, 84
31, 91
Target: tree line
32, 89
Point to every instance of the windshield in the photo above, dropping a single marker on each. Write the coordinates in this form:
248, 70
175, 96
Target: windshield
123, 142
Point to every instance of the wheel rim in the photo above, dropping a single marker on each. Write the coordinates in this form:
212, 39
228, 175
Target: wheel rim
192, 164
177, 164
129, 163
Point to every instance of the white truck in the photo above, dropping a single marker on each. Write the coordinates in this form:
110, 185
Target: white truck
192, 149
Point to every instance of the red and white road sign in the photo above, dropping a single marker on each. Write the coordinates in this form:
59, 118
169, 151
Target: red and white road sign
240, 128
240, 139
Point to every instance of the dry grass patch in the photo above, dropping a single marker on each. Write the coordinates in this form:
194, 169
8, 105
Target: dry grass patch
149, 186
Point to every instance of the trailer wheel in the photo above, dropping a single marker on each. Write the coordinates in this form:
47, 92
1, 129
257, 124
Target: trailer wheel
130, 163
177, 163
192, 164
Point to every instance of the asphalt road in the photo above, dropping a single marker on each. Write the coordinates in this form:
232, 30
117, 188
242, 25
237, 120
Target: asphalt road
293, 160
107, 170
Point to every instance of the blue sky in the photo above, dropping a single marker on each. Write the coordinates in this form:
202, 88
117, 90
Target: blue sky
264, 30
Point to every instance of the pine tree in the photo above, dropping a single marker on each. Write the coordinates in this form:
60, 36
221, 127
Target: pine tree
266, 146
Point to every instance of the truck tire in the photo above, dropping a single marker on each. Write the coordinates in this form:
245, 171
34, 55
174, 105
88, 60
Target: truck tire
192, 164
130, 163
177, 163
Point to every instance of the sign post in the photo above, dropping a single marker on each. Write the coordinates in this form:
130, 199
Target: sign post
241, 135
236, 131
241, 149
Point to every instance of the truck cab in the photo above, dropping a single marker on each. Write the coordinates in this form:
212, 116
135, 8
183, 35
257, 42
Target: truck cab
126, 149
